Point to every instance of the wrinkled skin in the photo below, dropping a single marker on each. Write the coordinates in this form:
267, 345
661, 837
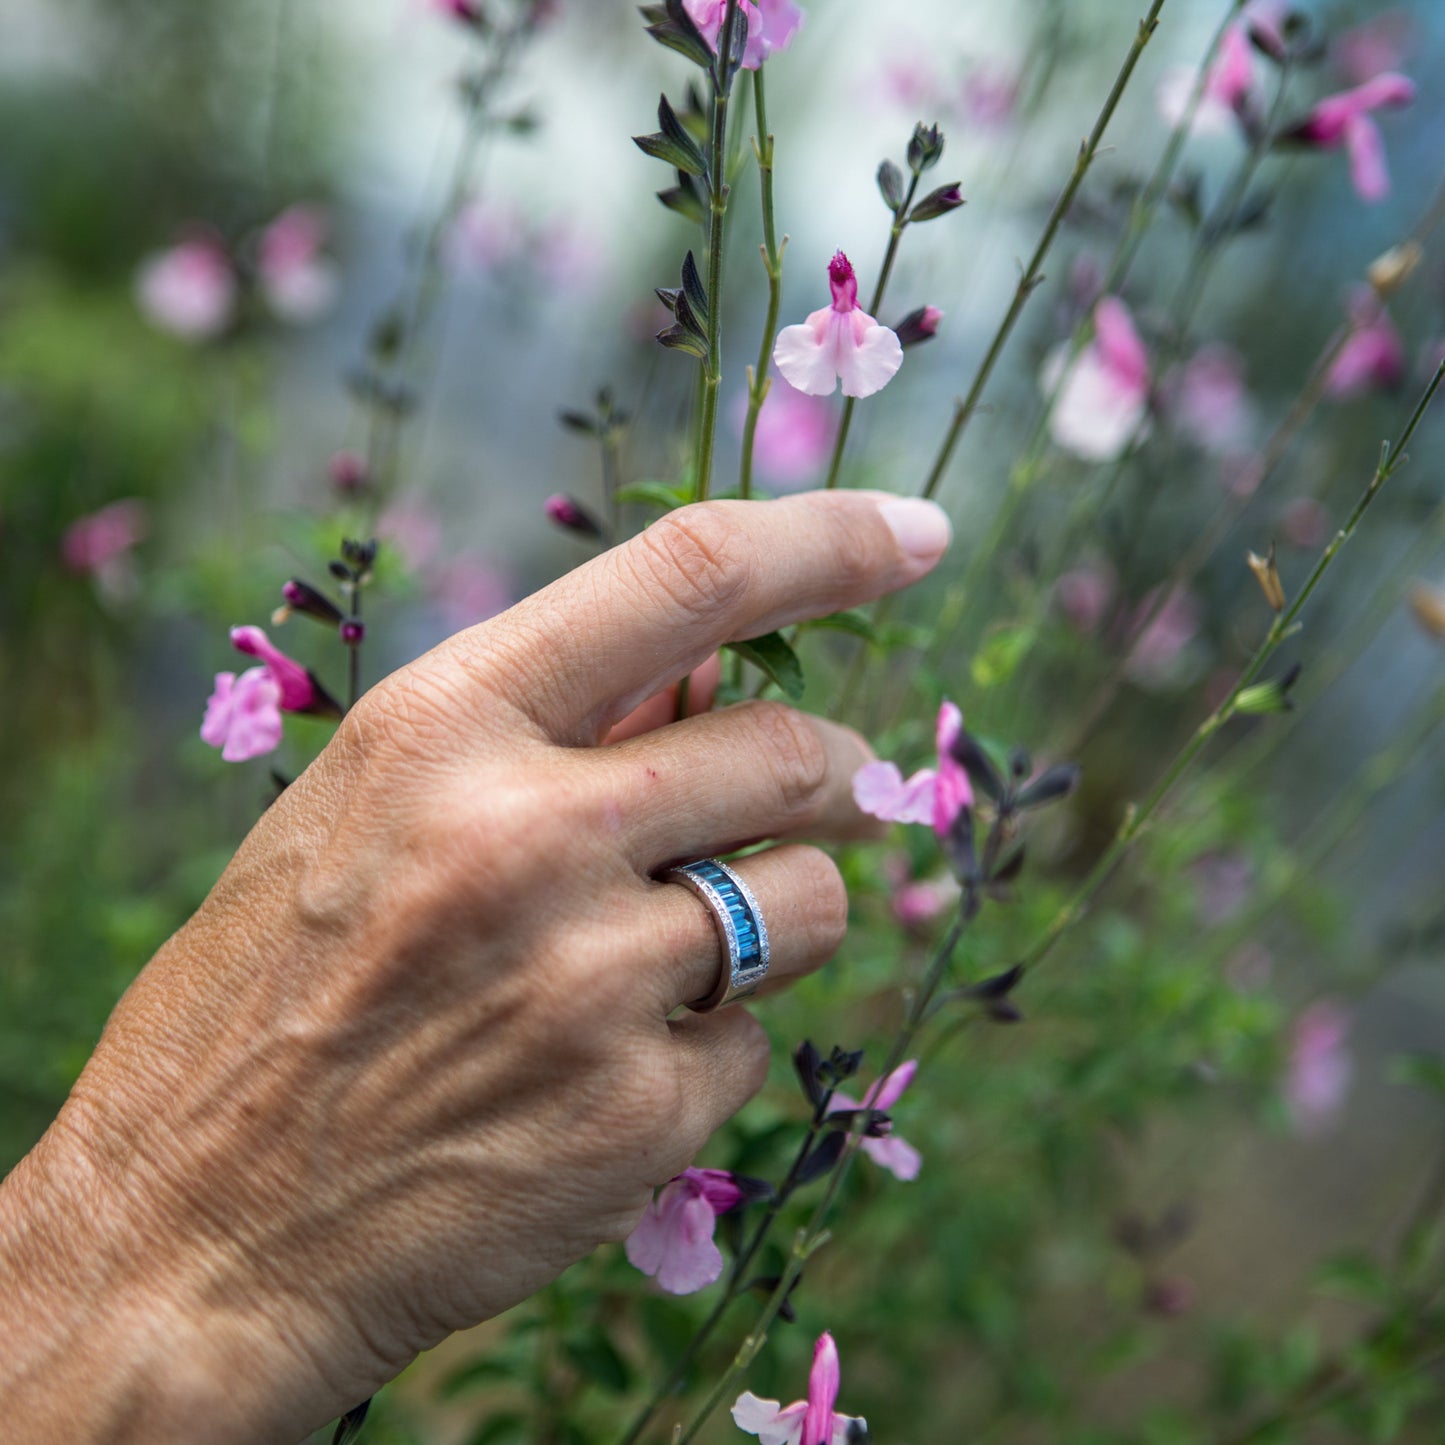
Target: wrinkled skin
420, 1050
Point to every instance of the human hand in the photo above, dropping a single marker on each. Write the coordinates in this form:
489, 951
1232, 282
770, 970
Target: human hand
414, 1054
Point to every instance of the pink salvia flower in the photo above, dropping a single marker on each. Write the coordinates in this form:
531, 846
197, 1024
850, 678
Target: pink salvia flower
1373, 355
1103, 399
771, 24
1343, 120
1208, 400
839, 342
896, 1155
1319, 1066
189, 290
1228, 87
95, 542
297, 691
813, 1421
673, 1240
297, 281
243, 715
932, 795
794, 435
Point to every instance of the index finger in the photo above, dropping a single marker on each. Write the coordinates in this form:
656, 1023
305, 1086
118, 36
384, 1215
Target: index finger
585, 651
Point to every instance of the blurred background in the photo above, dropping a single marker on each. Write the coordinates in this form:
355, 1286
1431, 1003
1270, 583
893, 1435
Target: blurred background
211, 220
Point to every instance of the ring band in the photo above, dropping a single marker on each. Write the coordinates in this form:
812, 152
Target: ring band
740, 926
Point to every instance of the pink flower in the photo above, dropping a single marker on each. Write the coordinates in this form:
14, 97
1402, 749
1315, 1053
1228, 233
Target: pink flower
483, 237
1153, 660
414, 530
990, 97
1084, 596
794, 435
1373, 356
1208, 400
468, 590
347, 472
771, 25
469, 12
1228, 86
1368, 50
895, 1155
839, 342
99, 541
1319, 1066
813, 1421
673, 1239
297, 281
1343, 120
931, 795
189, 290
1102, 401
297, 690
243, 715
918, 901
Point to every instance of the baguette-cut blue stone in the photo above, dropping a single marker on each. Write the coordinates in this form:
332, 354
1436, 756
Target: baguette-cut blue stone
744, 924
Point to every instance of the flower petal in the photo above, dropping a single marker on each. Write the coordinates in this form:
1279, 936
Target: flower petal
872, 363
823, 1380
887, 1092
804, 354
896, 1155
880, 790
1366, 148
771, 1423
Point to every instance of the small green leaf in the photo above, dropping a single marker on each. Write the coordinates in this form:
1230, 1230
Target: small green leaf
773, 656
998, 659
1354, 1275
852, 621
664, 148
596, 1358
664, 495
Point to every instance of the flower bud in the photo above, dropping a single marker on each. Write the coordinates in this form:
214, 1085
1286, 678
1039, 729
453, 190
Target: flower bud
890, 185
1267, 575
1387, 273
569, 513
348, 472
353, 631
1427, 606
937, 203
303, 597
925, 147
1269, 697
918, 326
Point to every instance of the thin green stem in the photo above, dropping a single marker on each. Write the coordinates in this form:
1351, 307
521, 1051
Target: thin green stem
1391, 458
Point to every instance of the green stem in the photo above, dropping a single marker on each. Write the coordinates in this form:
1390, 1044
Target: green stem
1284, 625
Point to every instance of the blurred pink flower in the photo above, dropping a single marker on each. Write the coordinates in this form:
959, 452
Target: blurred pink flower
99, 545
932, 795
1343, 120
567, 257
347, 472
414, 530
1208, 400
1320, 1066
468, 590
673, 1241
911, 81
1373, 355
1103, 398
793, 437
188, 290
243, 715
469, 12
1228, 86
1084, 596
1365, 51
298, 282
298, 690
918, 901
990, 97
839, 342
482, 237
1154, 657
895, 1155
813, 1421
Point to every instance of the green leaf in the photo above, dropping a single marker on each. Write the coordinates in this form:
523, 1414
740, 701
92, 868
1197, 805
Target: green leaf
852, 621
473, 1373
664, 148
595, 1357
663, 495
773, 656
1420, 1070
998, 659
1354, 1275
501, 1428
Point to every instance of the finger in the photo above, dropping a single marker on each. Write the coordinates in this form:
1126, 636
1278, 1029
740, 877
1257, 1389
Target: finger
803, 903
722, 1061
582, 653
661, 708
715, 783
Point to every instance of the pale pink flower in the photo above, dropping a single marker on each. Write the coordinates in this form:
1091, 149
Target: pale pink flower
483, 237
1154, 659
1102, 401
1228, 87
1373, 355
771, 25
1208, 400
911, 81
1365, 51
813, 1421
794, 435
918, 901
839, 342
298, 690
414, 530
567, 257
99, 545
896, 1155
990, 97
243, 715
189, 290
297, 280
1084, 596
932, 795
1320, 1066
673, 1240
468, 590
1343, 121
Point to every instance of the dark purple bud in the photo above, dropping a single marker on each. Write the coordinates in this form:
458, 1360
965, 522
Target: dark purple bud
347, 471
823, 1157
808, 1062
976, 763
360, 554
918, 326
1000, 985
1052, 784
303, 597
353, 632
937, 203
925, 147
568, 512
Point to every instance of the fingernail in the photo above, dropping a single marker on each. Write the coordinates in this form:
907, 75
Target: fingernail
921, 528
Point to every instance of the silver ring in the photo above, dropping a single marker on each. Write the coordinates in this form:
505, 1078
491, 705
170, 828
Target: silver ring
740, 926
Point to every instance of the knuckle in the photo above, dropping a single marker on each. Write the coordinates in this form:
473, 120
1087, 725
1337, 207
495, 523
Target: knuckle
696, 557
794, 750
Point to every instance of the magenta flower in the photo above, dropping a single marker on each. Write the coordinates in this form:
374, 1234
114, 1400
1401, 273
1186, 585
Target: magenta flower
1343, 121
1208, 400
99, 545
1102, 401
772, 24
1320, 1066
1228, 87
793, 437
1373, 355
673, 1240
297, 281
932, 795
243, 715
813, 1421
469, 12
298, 691
189, 290
896, 1155
840, 342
